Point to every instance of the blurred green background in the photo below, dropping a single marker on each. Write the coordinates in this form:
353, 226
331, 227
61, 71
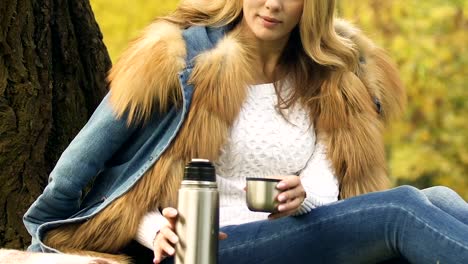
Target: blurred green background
427, 39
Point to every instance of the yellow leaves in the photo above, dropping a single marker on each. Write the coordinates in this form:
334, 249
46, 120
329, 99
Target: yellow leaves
413, 160
122, 21
424, 136
441, 13
463, 153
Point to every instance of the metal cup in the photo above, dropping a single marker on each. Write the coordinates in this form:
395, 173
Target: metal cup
262, 194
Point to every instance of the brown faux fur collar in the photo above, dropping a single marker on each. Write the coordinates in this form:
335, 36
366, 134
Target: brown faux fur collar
145, 80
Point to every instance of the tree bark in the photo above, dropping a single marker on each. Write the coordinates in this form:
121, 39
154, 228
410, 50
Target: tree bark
53, 66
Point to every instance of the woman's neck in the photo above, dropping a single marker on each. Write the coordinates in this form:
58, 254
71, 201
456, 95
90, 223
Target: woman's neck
268, 55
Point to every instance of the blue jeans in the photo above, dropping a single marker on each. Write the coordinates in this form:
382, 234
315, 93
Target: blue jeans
397, 226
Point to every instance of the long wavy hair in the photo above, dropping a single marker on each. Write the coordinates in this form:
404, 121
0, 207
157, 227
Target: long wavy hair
315, 57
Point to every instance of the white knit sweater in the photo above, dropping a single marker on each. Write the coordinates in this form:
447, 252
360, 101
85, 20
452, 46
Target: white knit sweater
263, 143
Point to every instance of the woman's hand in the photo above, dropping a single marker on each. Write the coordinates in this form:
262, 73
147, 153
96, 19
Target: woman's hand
164, 243
166, 239
291, 196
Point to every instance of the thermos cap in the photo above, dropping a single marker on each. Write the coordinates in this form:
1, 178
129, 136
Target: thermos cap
200, 170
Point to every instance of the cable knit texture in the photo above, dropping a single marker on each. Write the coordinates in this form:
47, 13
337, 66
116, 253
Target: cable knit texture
263, 143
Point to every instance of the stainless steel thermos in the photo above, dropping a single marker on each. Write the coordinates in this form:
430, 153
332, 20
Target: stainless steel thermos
198, 222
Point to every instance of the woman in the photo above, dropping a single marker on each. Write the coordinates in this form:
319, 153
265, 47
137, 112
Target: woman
266, 88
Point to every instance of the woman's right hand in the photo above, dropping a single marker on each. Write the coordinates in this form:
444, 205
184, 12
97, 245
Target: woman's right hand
164, 243
166, 239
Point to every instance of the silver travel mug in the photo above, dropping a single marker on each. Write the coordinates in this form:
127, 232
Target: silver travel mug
198, 222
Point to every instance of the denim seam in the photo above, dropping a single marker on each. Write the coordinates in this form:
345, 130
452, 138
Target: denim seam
249, 243
433, 229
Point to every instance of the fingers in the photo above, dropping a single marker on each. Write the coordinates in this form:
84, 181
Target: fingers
169, 235
291, 194
285, 209
222, 235
166, 239
291, 200
291, 197
164, 243
291, 188
288, 182
166, 248
170, 214
290, 205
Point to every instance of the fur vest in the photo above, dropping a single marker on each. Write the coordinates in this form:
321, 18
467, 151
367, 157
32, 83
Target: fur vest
349, 124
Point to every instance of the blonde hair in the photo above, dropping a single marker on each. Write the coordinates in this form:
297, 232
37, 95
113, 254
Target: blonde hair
315, 57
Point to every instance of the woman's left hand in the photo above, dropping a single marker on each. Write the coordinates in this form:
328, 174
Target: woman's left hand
291, 196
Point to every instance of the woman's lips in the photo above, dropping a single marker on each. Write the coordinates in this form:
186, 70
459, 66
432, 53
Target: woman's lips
269, 22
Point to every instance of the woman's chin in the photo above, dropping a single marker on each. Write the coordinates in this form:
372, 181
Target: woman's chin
268, 35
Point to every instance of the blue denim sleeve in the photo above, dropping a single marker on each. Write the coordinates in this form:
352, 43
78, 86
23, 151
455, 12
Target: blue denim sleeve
86, 155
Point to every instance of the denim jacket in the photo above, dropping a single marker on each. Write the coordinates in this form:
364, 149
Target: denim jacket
110, 152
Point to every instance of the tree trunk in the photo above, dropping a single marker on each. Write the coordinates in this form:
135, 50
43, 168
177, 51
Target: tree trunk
53, 65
